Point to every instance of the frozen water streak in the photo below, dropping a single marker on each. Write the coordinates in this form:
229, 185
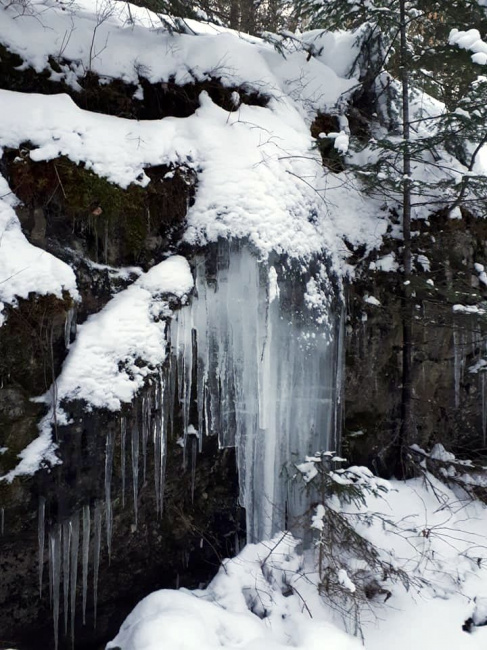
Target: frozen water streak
255, 369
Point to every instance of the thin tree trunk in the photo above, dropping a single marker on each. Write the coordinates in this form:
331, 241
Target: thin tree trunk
406, 429
247, 16
234, 17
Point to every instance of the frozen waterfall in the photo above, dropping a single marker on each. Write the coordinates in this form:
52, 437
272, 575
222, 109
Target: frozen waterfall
254, 359
255, 367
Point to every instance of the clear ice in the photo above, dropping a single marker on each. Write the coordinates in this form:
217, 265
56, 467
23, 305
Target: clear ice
255, 369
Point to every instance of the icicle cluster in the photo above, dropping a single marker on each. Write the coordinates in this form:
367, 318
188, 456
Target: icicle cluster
255, 369
82, 533
251, 364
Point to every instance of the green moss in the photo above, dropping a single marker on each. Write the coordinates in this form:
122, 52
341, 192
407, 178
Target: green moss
83, 211
108, 210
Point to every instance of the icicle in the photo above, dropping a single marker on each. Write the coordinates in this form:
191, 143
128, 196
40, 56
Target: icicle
135, 469
69, 327
123, 436
66, 558
339, 360
41, 535
109, 449
96, 556
55, 553
85, 556
74, 524
159, 444
193, 442
146, 419
267, 377
169, 393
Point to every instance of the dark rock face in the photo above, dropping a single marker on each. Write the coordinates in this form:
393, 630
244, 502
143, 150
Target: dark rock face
200, 525
448, 397
110, 476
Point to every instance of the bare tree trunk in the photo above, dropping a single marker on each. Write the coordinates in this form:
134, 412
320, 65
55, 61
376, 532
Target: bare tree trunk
406, 428
234, 17
247, 16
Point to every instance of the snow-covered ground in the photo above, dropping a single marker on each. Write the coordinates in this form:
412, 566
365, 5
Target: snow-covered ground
267, 597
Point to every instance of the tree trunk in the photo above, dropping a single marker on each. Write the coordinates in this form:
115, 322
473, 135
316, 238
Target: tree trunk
406, 427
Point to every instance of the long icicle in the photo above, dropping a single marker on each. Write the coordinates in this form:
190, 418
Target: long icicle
110, 442
41, 536
96, 556
74, 571
66, 559
135, 470
123, 460
55, 571
85, 563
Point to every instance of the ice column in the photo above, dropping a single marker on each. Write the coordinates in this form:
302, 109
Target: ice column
41, 535
85, 556
55, 576
109, 450
97, 517
255, 368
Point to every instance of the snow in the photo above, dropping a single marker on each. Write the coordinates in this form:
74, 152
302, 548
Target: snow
468, 309
271, 193
259, 178
243, 607
387, 263
345, 581
317, 519
470, 40
372, 300
342, 142
338, 49
481, 273
308, 470
456, 213
424, 262
24, 268
103, 365
267, 597
106, 41
263, 193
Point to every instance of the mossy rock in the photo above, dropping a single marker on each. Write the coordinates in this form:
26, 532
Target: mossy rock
65, 204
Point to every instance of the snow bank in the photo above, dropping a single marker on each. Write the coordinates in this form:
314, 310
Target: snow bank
244, 607
117, 348
118, 41
259, 176
267, 597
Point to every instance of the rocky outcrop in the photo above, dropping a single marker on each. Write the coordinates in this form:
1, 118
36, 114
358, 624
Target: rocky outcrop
449, 334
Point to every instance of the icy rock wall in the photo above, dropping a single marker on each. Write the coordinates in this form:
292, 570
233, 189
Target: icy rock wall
253, 367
